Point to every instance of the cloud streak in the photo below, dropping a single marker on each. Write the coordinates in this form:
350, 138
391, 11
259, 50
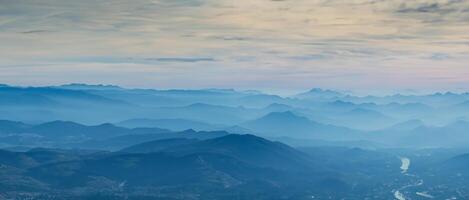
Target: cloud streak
187, 60
323, 43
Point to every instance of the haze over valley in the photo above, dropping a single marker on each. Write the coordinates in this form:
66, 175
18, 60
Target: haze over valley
234, 100
81, 141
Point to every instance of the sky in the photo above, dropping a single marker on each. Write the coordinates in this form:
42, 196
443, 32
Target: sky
282, 45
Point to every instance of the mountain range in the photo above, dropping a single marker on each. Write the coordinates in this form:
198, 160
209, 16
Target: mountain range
81, 141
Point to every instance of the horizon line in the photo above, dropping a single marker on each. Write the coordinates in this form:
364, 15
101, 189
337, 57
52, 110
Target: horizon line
271, 91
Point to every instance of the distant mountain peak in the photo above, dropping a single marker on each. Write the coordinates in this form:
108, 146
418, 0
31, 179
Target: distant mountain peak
59, 126
320, 94
282, 115
280, 118
106, 125
83, 86
221, 90
322, 90
341, 103
60, 122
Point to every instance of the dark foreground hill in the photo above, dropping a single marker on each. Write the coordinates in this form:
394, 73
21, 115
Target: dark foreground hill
227, 167
248, 148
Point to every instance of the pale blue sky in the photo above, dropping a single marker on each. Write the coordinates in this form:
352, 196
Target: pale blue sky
281, 45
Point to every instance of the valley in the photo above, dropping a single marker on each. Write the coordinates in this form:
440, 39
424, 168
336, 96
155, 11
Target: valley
114, 143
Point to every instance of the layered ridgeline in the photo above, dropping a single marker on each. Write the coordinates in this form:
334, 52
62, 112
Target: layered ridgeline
71, 135
318, 116
106, 142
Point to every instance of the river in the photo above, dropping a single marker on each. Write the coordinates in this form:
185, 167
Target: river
405, 165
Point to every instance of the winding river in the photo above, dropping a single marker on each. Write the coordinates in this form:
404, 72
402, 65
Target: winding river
405, 165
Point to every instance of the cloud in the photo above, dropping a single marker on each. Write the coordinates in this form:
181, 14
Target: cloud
231, 38
441, 7
279, 42
188, 60
440, 12
35, 31
309, 57
439, 56
135, 60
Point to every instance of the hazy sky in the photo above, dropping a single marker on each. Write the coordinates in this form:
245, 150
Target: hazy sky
264, 44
